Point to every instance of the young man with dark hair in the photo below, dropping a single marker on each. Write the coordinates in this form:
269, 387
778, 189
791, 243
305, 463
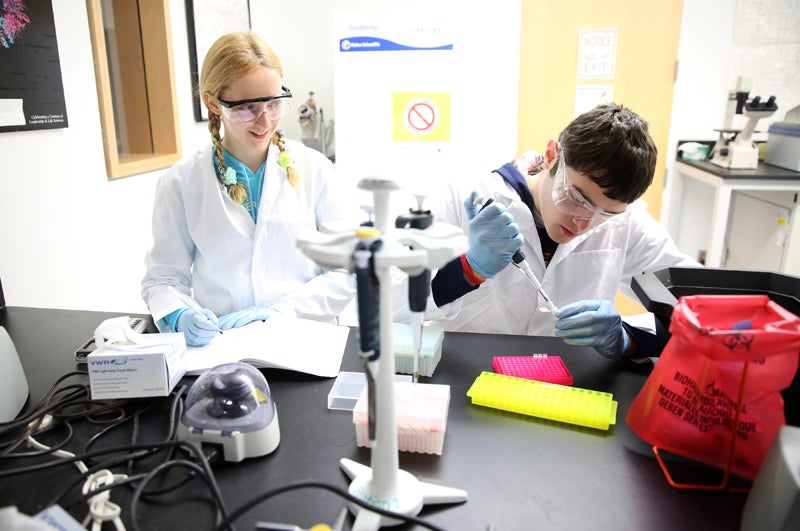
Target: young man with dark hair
583, 230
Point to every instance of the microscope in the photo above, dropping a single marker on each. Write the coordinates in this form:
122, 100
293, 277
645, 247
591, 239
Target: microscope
735, 148
415, 244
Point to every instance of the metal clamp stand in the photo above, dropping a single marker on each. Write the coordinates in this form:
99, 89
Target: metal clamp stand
412, 250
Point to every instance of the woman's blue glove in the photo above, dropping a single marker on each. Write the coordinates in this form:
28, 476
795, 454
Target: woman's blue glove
493, 237
246, 316
592, 323
198, 327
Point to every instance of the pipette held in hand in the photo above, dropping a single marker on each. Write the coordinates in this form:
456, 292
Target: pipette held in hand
521, 263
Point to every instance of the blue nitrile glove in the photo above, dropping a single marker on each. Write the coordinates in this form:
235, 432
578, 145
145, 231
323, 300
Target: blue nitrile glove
245, 316
198, 327
592, 323
493, 237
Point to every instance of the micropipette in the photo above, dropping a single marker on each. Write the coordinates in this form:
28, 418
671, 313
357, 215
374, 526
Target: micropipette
368, 299
419, 286
521, 263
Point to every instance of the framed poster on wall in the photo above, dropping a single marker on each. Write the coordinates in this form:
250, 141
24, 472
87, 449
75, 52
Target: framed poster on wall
206, 21
31, 89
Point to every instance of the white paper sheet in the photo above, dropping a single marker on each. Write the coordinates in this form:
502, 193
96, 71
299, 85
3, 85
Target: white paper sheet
11, 112
301, 345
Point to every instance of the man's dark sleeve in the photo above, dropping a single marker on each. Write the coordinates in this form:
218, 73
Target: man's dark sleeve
648, 343
450, 284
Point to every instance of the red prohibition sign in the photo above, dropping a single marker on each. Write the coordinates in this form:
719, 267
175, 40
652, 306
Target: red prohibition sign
421, 116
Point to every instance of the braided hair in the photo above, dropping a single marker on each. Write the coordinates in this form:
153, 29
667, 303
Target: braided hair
284, 160
236, 191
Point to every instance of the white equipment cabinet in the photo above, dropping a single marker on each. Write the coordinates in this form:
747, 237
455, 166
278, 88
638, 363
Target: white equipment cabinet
732, 216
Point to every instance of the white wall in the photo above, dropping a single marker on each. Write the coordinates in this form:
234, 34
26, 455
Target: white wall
69, 238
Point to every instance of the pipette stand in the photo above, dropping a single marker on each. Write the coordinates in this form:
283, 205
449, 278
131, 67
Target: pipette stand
383, 484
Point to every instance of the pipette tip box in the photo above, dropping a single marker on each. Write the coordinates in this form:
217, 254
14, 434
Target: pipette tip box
421, 413
573, 405
403, 346
543, 368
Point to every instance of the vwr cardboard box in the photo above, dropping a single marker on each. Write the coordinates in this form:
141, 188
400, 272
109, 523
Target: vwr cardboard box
150, 367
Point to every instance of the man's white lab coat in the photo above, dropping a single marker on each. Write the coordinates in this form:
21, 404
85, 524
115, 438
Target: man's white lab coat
594, 265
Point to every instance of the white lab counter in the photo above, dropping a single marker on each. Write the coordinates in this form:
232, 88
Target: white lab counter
732, 216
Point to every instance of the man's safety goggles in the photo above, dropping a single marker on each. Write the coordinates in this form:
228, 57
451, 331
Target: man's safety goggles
573, 203
249, 111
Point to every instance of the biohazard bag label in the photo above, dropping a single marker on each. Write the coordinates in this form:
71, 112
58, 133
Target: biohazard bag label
720, 376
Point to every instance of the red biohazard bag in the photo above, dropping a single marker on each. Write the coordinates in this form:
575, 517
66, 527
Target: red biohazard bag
727, 360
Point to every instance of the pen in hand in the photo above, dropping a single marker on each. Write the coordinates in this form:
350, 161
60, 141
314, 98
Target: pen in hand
205, 312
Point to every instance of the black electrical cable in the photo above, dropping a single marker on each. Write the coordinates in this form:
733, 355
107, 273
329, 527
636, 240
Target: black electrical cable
101, 412
94, 438
60, 401
55, 401
141, 408
209, 479
31, 421
51, 447
35, 412
236, 513
176, 409
142, 451
83, 497
104, 465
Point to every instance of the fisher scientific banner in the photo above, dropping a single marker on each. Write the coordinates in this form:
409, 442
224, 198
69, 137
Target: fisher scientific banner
393, 88
408, 104
31, 89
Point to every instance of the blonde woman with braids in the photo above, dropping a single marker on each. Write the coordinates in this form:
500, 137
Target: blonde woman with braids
226, 218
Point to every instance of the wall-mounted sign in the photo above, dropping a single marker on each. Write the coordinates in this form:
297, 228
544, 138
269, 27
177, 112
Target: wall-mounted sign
597, 53
421, 116
587, 97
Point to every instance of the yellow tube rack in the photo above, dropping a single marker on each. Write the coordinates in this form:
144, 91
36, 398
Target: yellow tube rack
573, 405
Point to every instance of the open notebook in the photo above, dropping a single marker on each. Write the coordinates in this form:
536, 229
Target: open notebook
298, 345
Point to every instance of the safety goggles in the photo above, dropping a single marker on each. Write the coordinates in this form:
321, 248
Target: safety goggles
572, 202
249, 111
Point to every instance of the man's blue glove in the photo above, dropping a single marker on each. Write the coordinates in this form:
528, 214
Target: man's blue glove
198, 327
592, 323
246, 316
493, 237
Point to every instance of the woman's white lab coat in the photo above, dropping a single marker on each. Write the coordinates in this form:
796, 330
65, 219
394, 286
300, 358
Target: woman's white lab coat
207, 247
592, 266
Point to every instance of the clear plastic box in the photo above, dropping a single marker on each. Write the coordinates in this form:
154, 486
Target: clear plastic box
348, 386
